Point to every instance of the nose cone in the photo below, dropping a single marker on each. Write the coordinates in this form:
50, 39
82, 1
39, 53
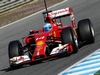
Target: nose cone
41, 42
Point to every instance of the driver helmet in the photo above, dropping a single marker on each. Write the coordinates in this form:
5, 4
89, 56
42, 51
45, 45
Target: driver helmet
47, 26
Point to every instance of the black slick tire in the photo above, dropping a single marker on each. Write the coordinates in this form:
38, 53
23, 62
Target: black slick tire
14, 49
86, 31
68, 37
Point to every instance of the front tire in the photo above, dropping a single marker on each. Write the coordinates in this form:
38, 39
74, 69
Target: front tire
14, 49
68, 37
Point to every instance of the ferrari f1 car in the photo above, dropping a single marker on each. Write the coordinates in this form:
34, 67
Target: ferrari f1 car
60, 39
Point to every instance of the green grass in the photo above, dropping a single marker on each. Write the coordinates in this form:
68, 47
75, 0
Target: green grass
24, 10
97, 73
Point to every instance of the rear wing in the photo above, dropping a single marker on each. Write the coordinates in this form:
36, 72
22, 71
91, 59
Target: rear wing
61, 13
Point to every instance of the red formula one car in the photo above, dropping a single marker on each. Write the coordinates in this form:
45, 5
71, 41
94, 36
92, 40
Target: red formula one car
59, 39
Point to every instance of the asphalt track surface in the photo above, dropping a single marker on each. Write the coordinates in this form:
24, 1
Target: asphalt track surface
82, 8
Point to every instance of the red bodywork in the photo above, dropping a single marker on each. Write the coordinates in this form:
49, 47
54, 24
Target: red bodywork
42, 37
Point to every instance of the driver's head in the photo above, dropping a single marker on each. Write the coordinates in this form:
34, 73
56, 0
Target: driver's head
47, 26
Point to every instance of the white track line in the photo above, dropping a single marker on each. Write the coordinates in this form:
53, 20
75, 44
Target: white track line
32, 14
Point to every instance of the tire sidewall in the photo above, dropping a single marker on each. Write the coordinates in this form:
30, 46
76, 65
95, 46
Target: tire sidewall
68, 37
14, 49
86, 31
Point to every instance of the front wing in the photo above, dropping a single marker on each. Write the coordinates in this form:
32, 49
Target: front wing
25, 58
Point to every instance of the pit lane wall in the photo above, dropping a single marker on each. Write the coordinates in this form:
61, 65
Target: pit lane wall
90, 65
9, 4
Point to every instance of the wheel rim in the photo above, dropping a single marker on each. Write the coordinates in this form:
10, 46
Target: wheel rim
76, 41
92, 31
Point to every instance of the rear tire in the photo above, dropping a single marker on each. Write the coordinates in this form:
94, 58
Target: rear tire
14, 49
86, 31
68, 37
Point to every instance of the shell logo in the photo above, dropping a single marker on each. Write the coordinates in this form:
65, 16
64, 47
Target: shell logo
39, 43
